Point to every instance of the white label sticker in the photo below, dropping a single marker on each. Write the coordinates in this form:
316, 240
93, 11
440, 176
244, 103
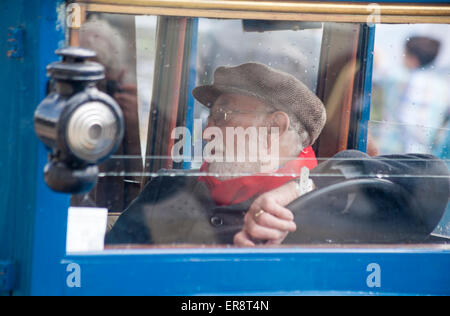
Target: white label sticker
86, 228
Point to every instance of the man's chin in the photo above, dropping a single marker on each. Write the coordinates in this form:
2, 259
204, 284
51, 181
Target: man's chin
229, 170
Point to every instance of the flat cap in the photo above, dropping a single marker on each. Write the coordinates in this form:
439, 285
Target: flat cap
280, 90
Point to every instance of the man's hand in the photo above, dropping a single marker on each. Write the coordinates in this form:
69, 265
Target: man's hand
267, 220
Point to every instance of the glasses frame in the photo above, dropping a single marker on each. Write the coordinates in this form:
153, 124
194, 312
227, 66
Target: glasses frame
227, 113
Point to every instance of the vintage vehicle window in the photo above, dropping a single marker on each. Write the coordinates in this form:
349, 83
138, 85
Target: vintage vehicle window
184, 83
411, 99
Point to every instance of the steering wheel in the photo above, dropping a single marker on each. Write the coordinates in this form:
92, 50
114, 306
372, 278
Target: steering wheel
369, 210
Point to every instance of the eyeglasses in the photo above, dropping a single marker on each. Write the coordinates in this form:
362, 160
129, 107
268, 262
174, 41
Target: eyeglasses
221, 115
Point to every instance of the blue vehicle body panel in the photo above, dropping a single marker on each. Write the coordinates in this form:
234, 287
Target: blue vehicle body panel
32, 217
261, 272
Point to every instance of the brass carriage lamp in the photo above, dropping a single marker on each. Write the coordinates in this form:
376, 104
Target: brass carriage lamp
80, 125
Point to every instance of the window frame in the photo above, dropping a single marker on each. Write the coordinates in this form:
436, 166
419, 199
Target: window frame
419, 269
429, 11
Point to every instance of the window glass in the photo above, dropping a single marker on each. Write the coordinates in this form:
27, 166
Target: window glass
145, 67
240, 133
293, 48
411, 100
118, 41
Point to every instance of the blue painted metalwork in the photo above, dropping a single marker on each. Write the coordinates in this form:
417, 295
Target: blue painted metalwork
49, 238
261, 272
367, 96
15, 42
7, 276
32, 218
18, 144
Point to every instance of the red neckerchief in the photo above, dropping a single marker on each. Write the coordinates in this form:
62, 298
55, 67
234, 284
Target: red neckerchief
238, 190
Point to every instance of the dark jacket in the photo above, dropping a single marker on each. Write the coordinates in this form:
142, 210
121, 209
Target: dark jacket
179, 209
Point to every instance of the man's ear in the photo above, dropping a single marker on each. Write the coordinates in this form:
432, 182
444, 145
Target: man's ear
281, 120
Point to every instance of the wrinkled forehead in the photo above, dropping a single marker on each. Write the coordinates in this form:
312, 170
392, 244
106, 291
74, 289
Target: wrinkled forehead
239, 102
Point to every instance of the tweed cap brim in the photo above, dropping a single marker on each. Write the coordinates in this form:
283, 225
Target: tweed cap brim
208, 95
280, 90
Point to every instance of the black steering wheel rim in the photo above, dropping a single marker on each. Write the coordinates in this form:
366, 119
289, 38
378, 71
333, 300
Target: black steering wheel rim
328, 225
352, 186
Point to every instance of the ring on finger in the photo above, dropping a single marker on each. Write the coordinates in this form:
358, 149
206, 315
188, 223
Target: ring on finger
259, 213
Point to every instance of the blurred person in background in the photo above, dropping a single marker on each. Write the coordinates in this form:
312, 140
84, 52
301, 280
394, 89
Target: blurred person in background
413, 102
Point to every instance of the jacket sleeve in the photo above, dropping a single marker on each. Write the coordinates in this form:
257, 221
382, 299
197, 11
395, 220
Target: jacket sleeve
170, 210
131, 226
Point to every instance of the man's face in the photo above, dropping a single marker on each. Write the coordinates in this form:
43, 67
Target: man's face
238, 114
240, 111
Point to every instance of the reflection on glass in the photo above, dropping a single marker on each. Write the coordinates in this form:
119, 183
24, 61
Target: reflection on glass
243, 136
145, 67
113, 38
411, 99
275, 44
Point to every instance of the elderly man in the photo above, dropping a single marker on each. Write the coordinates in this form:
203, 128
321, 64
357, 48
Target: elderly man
244, 202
